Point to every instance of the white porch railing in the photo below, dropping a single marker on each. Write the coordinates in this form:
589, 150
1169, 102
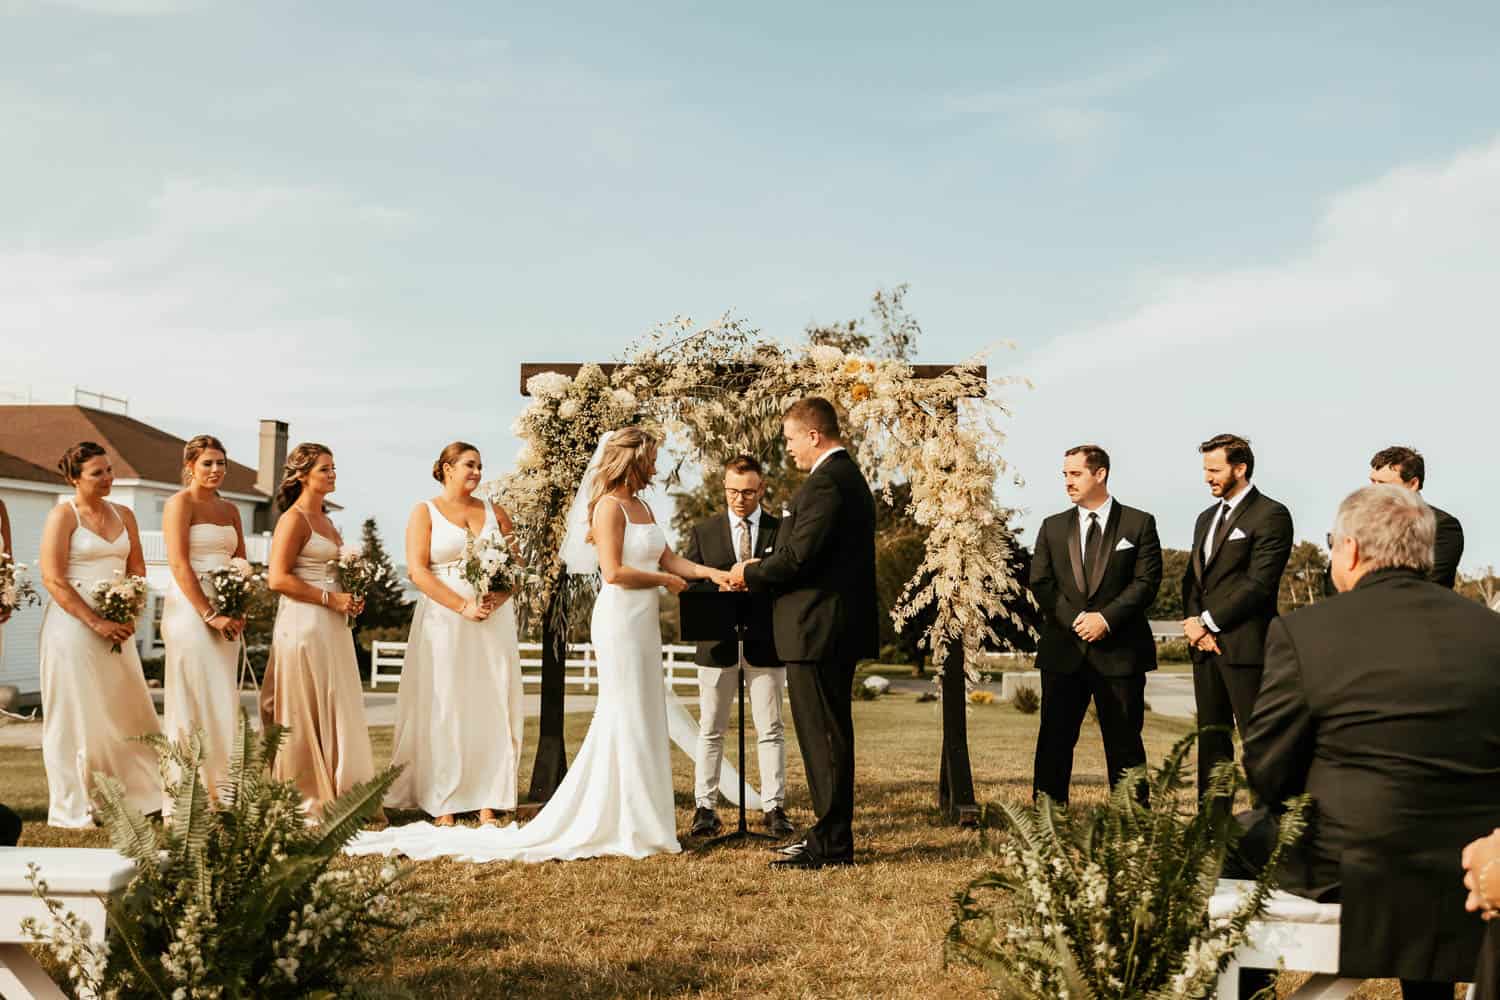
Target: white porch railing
154, 547
386, 659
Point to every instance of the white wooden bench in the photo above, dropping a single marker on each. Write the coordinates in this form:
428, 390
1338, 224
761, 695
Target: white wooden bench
386, 659
79, 878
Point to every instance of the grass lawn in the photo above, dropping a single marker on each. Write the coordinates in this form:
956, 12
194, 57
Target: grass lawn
720, 925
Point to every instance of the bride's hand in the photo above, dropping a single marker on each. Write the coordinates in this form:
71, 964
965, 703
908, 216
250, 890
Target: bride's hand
674, 583
719, 578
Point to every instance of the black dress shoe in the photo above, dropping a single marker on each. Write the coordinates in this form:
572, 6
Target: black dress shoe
777, 825
804, 861
705, 823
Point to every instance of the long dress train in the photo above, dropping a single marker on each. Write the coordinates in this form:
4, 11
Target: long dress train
616, 799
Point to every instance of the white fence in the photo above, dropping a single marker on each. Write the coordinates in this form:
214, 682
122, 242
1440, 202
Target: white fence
386, 659
154, 547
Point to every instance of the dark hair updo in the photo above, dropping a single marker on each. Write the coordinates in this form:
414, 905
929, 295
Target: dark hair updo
196, 447
450, 456
72, 462
299, 462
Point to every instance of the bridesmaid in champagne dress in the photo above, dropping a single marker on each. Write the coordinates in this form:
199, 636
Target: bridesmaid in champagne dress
94, 701
459, 710
5, 549
203, 533
312, 681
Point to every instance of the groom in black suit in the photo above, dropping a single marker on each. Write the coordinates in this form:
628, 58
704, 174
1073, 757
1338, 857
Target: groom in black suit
1096, 570
822, 577
1240, 548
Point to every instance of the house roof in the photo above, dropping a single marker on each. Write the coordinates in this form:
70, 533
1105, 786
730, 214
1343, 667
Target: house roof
33, 438
12, 467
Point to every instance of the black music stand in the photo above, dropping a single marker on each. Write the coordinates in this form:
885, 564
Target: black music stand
712, 615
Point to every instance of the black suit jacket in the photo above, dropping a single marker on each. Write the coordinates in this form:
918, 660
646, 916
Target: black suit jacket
822, 574
1124, 585
1239, 585
711, 543
1448, 550
1382, 704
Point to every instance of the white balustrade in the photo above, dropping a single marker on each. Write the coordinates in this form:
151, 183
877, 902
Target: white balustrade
386, 659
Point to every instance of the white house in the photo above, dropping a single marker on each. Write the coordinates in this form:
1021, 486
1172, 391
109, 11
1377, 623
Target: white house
148, 466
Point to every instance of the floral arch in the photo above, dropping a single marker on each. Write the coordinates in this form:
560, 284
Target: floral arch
722, 389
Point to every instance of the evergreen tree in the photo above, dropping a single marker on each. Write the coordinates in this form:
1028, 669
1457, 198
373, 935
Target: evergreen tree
385, 604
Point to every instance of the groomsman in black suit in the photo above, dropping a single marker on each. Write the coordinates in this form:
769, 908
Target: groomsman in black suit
824, 618
742, 532
1406, 467
1240, 548
1096, 570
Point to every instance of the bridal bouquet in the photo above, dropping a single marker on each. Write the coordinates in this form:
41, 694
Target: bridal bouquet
230, 587
488, 565
15, 587
120, 599
356, 575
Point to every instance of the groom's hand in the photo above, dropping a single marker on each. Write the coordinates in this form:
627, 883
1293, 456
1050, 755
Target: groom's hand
1091, 626
737, 574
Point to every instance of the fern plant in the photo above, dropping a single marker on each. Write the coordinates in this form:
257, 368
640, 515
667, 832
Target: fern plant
1112, 903
237, 898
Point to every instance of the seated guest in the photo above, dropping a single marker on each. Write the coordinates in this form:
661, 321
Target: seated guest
1382, 705
10, 828
1481, 861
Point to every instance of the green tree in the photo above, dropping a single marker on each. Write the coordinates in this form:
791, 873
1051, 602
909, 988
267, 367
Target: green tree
1168, 606
385, 604
1302, 580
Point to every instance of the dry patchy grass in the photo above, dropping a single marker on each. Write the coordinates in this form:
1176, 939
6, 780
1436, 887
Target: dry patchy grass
720, 924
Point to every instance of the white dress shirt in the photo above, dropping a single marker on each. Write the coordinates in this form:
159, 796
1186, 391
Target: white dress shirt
1083, 522
735, 529
824, 457
1208, 542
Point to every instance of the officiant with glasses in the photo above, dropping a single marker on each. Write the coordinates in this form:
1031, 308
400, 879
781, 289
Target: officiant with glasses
742, 532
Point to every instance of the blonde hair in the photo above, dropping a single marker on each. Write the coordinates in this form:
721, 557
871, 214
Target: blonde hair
450, 456
298, 464
625, 462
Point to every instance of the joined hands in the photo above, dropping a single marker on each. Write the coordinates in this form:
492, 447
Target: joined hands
736, 576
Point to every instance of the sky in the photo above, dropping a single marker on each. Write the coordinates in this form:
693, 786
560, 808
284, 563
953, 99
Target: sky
362, 217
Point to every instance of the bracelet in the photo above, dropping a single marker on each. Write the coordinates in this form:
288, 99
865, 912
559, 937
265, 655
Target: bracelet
1484, 897
324, 598
208, 615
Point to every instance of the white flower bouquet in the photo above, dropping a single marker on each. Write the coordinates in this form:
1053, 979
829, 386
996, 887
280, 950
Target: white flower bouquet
120, 599
230, 587
356, 575
488, 565
16, 588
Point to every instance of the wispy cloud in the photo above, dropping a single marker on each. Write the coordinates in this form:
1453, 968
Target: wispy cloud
1389, 311
1072, 112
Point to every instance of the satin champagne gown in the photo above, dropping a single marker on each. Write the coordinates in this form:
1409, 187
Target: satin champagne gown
202, 668
459, 710
94, 702
312, 687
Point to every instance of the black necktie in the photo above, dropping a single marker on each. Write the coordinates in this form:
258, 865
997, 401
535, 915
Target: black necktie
1222, 529
1091, 548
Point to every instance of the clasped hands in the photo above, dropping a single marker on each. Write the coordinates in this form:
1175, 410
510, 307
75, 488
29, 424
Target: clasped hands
1199, 637
734, 578
1479, 860
1090, 626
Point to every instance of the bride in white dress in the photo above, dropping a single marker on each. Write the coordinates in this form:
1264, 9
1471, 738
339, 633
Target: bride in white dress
617, 797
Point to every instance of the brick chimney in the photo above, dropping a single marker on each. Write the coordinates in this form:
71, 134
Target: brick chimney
273, 437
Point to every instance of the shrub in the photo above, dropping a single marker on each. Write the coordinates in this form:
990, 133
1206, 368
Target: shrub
981, 697
237, 899
1173, 651
1026, 700
1112, 902
154, 668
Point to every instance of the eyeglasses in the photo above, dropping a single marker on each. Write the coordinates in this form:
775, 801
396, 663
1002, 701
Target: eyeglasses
741, 494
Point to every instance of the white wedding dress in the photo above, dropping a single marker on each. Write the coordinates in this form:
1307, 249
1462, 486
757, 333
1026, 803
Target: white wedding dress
616, 798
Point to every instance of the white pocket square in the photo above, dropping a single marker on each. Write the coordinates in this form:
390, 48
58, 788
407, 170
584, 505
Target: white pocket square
1125, 543
1236, 536
786, 512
